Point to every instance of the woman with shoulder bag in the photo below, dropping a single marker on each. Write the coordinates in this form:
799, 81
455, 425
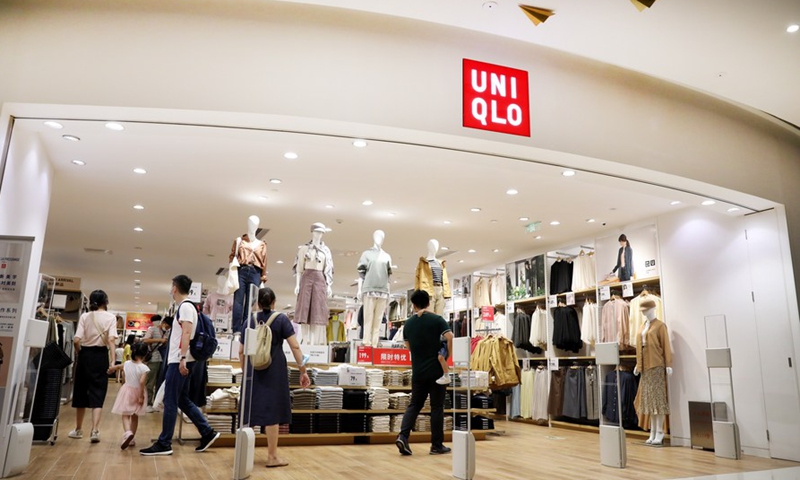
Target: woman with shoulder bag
270, 386
95, 338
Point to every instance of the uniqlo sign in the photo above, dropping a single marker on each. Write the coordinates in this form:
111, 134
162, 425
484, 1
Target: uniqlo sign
496, 98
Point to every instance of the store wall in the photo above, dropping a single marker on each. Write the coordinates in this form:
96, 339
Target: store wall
24, 206
707, 270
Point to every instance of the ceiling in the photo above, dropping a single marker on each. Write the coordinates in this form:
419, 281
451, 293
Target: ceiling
734, 49
202, 183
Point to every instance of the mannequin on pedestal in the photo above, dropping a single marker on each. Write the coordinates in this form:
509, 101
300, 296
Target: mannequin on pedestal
219, 305
654, 363
431, 276
251, 253
374, 270
314, 270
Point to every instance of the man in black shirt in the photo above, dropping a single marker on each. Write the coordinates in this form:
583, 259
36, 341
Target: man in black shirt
423, 332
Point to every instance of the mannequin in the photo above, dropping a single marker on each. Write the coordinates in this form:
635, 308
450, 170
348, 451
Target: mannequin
219, 305
374, 270
251, 253
431, 276
314, 270
654, 363
624, 260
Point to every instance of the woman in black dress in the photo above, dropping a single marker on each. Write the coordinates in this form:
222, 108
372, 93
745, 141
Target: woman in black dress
272, 405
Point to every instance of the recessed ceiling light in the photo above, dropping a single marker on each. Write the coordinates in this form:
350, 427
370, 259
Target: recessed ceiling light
138, 207
136, 298
263, 197
475, 209
461, 261
80, 163
329, 206
555, 223
523, 219
279, 262
366, 203
445, 248
137, 271
489, 5
275, 180
392, 214
136, 286
708, 203
591, 220
733, 209
359, 143
288, 304
52, 124
495, 250
71, 138
149, 303
493, 221
117, 127
138, 229
137, 260
675, 202
568, 173
792, 28
395, 281
511, 191
471, 250
537, 237
140, 171
290, 156
447, 222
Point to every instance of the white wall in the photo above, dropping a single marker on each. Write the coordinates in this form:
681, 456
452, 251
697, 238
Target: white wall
705, 272
24, 207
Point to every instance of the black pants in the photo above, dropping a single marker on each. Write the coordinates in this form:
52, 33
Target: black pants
419, 392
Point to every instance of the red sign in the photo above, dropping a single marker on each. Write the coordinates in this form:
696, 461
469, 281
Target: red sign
392, 356
364, 354
495, 98
487, 314
138, 321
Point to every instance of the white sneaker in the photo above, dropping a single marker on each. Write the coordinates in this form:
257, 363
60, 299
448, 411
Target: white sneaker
75, 434
150, 409
95, 437
443, 380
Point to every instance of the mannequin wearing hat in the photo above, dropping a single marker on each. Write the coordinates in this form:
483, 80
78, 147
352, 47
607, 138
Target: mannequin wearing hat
654, 363
250, 254
313, 268
374, 270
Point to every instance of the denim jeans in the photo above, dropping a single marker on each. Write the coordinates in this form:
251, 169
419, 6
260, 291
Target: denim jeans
248, 275
176, 395
419, 392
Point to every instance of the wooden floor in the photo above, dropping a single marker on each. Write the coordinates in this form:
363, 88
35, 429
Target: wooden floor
523, 452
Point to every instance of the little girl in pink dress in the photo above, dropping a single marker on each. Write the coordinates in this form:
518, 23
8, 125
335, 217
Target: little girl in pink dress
131, 400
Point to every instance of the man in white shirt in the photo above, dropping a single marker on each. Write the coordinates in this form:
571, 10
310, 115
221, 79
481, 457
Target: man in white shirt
179, 366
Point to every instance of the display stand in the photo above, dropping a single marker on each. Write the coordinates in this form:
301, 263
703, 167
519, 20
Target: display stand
613, 452
464, 441
720, 381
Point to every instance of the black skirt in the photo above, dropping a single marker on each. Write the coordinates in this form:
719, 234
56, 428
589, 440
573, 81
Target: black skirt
91, 378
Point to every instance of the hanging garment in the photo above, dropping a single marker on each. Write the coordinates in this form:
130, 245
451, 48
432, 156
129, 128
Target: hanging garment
555, 403
628, 388
538, 336
614, 322
497, 290
584, 276
526, 398
522, 332
480, 293
575, 393
541, 394
589, 323
561, 277
566, 329
592, 393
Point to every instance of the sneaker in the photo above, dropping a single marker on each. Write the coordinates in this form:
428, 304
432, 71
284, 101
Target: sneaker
150, 409
443, 380
207, 441
156, 449
127, 438
95, 436
76, 434
402, 445
440, 450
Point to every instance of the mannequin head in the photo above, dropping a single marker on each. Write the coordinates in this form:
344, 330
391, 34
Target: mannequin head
378, 237
221, 283
252, 225
433, 247
317, 231
623, 241
648, 308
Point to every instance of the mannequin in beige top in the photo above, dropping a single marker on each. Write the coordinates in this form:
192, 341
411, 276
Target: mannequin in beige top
251, 254
644, 341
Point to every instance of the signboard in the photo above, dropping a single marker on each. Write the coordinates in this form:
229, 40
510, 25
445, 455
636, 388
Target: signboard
196, 292
316, 353
364, 354
66, 284
223, 348
392, 356
627, 289
495, 98
487, 314
605, 293
570, 298
138, 321
552, 301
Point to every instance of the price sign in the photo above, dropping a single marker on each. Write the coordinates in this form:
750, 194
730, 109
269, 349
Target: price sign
552, 363
196, 292
627, 289
570, 298
364, 355
605, 293
487, 314
552, 301
392, 356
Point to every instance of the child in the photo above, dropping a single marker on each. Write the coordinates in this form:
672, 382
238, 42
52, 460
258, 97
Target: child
131, 400
118, 355
445, 379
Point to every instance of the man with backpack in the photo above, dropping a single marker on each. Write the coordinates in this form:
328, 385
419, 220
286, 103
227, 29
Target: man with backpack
179, 365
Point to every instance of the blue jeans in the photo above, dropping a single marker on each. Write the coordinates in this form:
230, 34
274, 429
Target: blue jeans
248, 275
176, 395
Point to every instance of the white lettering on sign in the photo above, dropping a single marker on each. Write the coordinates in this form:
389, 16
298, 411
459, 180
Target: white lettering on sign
495, 98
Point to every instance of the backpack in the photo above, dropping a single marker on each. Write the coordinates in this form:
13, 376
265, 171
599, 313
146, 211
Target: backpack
204, 343
262, 359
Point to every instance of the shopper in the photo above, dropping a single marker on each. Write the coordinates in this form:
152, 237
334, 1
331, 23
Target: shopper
423, 332
94, 343
126, 353
119, 354
179, 366
269, 388
154, 339
132, 397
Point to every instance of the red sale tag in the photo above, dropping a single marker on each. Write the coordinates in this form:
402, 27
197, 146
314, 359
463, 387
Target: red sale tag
364, 354
487, 314
495, 98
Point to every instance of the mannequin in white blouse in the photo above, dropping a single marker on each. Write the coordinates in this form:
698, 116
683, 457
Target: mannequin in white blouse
656, 421
312, 334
